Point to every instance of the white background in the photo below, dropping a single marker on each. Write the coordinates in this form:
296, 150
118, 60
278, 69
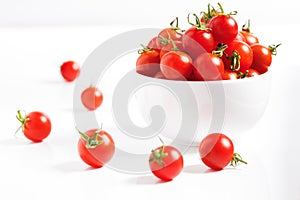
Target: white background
37, 36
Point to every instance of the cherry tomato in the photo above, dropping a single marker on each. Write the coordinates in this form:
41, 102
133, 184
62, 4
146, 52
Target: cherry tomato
208, 67
217, 151
172, 33
196, 41
166, 162
229, 75
224, 28
241, 51
261, 55
249, 37
91, 98
70, 70
176, 65
148, 62
96, 147
36, 126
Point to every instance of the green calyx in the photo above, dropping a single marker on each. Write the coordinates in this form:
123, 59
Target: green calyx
235, 59
144, 49
220, 50
222, 12
211, 12
199, 25
159, 154
164, 41
21, 118
236, 159
91, 142
242, 75
273, 48
174, 26
246, 26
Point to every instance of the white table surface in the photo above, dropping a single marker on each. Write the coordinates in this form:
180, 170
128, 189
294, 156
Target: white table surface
30, 80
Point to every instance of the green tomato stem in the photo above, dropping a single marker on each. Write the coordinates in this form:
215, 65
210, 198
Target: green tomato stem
273, 48
236, 159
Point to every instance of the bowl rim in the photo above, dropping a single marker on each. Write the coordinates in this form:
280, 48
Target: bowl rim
250, 79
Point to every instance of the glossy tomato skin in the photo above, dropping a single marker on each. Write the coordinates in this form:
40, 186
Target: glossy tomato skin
245, 52
37, 126
208, 67
229, 75
100, 155
261, 55
91, 98
250, 39
240, 37
172, 164
216, 151
70, 70
224, 28
260, 68
176, 65
196, 42
148, 63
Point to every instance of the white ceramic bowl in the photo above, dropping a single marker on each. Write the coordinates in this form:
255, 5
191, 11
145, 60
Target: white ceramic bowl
194, 109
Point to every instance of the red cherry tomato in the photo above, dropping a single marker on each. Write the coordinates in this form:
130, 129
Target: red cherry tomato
70, 70
148, 62
170, 33
91, 98
239, 49
208, 67
224, 28
176, 65
36, 126
261, 55
196, 41
217, 151
96, 147
166, 162
249, 37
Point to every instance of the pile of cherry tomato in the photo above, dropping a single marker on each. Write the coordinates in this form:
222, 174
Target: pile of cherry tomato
212, 48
